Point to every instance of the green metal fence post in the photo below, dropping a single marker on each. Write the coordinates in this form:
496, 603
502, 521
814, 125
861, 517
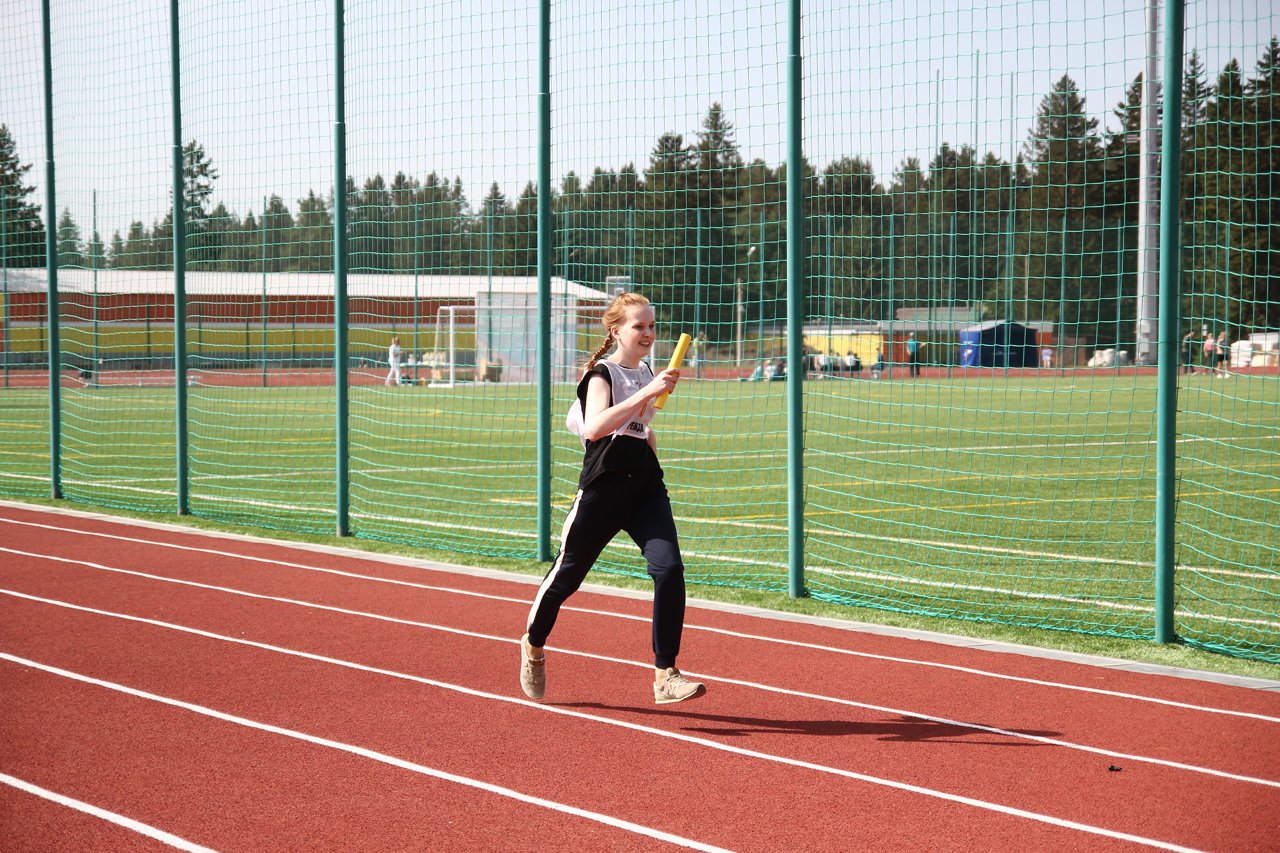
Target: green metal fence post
97, 262
179, 272
263, 307
417, 269
51, 266
935, 228
1170, 302
4, 271
544, 281
1011, 241
340, 331
795, 307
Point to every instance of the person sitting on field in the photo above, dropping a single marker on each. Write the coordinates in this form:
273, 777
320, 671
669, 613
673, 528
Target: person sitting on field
821, 365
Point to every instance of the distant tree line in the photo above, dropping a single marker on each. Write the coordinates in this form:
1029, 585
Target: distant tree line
1050, 236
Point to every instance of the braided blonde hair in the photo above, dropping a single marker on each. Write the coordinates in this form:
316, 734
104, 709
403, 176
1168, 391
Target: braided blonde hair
613, 316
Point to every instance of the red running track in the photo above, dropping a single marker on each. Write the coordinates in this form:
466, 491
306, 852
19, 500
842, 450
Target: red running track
166, 688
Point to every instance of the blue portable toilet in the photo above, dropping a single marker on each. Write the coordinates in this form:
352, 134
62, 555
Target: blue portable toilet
998, 343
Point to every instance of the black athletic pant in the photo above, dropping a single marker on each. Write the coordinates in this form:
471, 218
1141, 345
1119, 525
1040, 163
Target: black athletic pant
615, 501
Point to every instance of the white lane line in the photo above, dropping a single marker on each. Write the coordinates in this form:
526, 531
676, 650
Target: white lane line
759, 638
111, 817
383, 758
678, 736
850, 703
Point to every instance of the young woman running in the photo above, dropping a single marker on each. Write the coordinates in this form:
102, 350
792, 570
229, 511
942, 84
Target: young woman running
620, 488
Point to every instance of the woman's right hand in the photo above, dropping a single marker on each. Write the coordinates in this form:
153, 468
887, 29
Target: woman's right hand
663, 383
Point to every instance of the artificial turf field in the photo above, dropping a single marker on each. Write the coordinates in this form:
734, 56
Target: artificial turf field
1027, 499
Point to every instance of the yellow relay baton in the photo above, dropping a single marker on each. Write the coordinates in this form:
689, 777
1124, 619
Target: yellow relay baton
677, 359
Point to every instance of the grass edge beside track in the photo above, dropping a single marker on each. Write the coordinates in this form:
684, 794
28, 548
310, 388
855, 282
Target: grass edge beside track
1136, 651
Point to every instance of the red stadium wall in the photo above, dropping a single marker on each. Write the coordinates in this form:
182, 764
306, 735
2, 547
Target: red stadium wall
158, 307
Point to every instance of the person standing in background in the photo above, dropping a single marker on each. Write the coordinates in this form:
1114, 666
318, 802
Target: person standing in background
1221, 350
913, 354
393, 361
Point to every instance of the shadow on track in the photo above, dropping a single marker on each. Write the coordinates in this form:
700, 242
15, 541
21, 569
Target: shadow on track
903, 729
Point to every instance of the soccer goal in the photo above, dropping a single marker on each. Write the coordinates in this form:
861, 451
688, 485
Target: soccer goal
496, 339
452, 361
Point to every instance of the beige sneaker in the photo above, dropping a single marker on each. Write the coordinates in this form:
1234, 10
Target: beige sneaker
533, 670
674, 687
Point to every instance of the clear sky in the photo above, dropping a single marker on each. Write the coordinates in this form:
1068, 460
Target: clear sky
451, 87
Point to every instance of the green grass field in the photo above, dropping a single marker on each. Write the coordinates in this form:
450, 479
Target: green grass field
1026, 501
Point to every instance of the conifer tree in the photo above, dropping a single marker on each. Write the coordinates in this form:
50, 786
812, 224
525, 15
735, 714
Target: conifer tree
95, 252
1062, 242
115, 255
524, 232
492, 229
716, 184
310, 246
1255, 295
70, 248
23, 229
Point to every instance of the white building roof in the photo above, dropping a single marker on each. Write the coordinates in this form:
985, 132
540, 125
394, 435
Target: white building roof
434, 287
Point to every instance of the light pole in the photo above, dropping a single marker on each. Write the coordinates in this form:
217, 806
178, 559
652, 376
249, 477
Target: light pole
740, 322
742, 310
4, 298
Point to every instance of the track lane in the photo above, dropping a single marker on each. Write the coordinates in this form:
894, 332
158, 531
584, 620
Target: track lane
717, 796
828, 740
1247, 747
245, 788
215, 550
616, 637
37, 824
